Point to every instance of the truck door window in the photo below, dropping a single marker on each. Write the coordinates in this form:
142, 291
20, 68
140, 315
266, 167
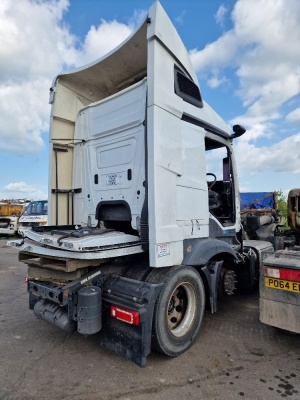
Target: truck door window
220, 182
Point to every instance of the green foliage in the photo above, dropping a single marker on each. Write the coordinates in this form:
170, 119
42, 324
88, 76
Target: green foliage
282, 207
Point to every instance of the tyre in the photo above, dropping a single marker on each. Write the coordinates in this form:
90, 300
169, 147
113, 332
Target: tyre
178, 311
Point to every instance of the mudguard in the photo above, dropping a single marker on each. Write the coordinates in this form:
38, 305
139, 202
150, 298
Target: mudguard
200, 251
133, 342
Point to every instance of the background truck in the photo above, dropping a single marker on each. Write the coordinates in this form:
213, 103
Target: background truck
261, 217
144, 206
10, 211
280, 277
35, 214
279, 281
293, 215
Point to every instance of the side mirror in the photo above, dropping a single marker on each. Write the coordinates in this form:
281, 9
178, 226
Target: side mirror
238, 130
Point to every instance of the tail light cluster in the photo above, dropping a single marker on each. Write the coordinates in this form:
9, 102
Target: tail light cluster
124, 314
283, 273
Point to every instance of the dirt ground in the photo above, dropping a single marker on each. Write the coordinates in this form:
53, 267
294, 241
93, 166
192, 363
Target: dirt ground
234, 357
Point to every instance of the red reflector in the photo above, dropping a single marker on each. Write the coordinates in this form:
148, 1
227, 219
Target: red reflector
281, 273
125, 315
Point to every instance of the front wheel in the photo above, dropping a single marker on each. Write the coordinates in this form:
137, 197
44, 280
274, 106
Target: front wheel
178, 311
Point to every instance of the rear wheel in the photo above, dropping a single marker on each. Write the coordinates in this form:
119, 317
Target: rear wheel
178, 311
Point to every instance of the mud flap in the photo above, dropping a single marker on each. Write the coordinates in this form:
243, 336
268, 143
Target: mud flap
212, 271
133, 342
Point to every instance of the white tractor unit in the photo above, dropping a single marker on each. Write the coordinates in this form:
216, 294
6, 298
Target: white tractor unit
144, 220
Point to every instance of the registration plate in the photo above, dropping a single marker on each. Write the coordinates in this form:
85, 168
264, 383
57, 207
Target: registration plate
281, 284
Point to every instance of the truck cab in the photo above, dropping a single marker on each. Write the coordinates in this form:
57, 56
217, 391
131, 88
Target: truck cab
142, 148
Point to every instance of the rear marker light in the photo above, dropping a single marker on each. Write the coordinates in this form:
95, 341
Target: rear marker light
123, 314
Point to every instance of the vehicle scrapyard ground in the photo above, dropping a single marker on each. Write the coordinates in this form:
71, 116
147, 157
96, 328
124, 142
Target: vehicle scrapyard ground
234, 356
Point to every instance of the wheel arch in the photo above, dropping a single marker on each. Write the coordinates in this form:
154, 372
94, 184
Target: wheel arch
208, 256
200, 252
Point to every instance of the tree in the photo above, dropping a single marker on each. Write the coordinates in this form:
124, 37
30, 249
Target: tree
282, 207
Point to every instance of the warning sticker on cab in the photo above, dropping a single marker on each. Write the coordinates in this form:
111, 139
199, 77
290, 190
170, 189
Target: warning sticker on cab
163, 249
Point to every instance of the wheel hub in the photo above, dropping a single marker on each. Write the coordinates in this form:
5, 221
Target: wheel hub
176, 308
181, 309
229, 281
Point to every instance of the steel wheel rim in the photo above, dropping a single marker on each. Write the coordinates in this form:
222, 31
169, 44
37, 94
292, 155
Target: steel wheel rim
181, 311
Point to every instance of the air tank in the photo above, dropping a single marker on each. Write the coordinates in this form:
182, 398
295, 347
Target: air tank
89, 310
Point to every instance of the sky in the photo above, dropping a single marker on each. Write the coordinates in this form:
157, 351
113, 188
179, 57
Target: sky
246, 55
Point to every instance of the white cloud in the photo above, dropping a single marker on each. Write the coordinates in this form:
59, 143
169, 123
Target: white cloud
24, 115
262, 47
138, 17
220, 14
278, 157
17, 190
294, 115
34, 41
214, 81
180, 18
261, 52
96, 43
35, 46
257, 131
216, 55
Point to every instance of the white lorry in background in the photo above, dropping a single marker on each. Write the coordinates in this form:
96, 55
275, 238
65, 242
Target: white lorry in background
10, 211
36, 214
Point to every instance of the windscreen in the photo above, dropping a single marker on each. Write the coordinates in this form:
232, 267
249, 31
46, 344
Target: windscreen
37, 208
